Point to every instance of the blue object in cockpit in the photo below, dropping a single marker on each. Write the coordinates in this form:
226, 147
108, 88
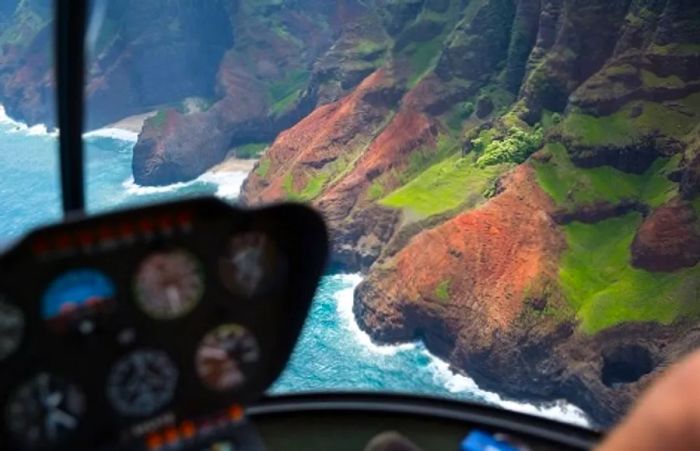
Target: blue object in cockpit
76, 289
482, 441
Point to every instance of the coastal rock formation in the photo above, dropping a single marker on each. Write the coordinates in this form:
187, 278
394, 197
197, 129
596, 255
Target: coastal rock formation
668, 240
488, 258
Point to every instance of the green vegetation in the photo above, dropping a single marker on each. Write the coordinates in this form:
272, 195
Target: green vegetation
500, 97
604, 289
313, 187
593, 131
263, 167
445, 186
696, 205
652, 80
419, 160
442, 290
423, 56
459, 113
288, 186
375, 190
572, 187
366, 47
158, 119
622, 129
684, 48
283, 104
550, 120
250, 150
516, 147
283, 93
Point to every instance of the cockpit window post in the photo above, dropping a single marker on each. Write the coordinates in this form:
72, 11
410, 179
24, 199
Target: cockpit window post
69, 69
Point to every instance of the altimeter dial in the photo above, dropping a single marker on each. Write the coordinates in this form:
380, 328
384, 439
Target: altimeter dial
11, 328
142, 382
226, 356
169, 284
44, 411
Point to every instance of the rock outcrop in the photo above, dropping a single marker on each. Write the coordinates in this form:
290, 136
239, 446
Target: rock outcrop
668, 240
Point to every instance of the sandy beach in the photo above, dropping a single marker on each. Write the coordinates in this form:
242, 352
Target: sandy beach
233, 164
133, 123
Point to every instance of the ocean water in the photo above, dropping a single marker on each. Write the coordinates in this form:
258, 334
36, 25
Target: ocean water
333, 354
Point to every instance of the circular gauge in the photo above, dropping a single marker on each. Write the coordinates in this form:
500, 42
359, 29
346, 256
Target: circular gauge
226, 356
169, 284
249, 262
11, 328
141, 383
78, 300
44, 411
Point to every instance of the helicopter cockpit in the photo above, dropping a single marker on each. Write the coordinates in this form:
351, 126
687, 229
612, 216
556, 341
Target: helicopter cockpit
168, 326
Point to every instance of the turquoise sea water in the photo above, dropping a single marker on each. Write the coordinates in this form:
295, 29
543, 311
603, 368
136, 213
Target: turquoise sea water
332, 354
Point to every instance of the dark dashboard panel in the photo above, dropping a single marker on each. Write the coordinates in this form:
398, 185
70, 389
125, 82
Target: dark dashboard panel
348, 421
165, 316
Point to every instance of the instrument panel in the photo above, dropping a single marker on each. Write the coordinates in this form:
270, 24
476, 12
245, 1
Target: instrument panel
163, 318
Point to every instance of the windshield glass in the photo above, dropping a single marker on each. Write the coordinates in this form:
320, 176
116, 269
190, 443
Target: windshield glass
29, 185
511, 186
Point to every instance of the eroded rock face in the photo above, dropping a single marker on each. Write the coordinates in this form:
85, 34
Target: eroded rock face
352, 140
483, 259
668, 239
333, 131
476, 288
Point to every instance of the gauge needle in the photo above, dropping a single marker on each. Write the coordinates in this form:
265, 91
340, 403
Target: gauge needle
172, 294
210, 352
57, 418
53, 400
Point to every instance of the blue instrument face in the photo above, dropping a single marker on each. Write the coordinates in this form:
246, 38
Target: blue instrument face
77, 300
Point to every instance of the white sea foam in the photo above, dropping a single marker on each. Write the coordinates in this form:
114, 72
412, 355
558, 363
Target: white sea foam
114, 133
558, 410
20, 127
344, 300
443, 374
41, 130
228, 184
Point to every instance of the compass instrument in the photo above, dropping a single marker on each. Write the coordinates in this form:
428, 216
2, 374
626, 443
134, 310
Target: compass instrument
141, 383
44, 411
226, 356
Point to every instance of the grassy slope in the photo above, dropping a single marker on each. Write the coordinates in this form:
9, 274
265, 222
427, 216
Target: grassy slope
283, 93
620, 129
601, 285
444, 186
423, 55
571, 187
